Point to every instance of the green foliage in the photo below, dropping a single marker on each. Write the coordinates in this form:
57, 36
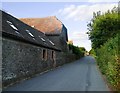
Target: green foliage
82, 49
107, 58
79, 51
103, 27
92, 53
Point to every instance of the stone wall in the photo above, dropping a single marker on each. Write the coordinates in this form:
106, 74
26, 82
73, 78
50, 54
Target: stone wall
22, 60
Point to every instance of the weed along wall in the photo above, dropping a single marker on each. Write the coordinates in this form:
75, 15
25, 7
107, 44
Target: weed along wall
22, 60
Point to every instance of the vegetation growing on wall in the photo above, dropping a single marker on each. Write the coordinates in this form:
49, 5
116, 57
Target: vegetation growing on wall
104, 33
79, 51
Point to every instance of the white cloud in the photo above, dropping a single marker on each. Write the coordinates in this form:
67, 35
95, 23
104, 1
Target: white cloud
83, 43
84, 12
77, 35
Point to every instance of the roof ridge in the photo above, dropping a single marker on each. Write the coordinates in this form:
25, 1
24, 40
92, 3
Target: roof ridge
39, 17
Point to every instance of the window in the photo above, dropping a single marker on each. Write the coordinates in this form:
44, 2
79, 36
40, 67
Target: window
53, 54
29, 33
15, 28
10, 23
43, 39
51, 42
44, 55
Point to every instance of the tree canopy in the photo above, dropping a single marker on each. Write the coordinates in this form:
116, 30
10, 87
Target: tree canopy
103, 26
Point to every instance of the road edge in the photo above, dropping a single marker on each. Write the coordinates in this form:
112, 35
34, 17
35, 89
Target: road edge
105, 80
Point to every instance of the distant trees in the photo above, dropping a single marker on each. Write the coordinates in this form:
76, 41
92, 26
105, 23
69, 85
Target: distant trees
92, 52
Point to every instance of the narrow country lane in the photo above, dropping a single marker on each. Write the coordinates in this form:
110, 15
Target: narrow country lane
81, 75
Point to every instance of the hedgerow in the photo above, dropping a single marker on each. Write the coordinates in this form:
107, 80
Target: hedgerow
108, 61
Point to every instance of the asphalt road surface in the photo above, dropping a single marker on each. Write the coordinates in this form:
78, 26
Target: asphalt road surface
81, 75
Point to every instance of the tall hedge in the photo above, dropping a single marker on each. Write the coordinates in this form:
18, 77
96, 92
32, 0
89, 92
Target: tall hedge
108, 61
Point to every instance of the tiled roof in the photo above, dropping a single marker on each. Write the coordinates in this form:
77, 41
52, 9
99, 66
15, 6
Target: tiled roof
48, 25
12, 27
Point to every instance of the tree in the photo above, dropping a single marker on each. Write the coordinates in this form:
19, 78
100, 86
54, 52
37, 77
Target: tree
103, 26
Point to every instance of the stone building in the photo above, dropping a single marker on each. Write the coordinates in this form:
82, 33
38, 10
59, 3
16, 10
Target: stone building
27, 51
53, 28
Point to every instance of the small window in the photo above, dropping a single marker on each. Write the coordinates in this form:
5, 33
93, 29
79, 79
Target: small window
29, 33
10, 23
43, 39
44, 55
53, 55
52, 43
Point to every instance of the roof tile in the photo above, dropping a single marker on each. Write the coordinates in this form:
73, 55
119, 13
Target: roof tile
48, 25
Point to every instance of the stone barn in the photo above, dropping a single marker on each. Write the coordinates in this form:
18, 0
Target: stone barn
53, 28
27, 51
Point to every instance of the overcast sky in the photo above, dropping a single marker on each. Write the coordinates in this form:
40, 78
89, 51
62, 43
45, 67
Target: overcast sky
74, 15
